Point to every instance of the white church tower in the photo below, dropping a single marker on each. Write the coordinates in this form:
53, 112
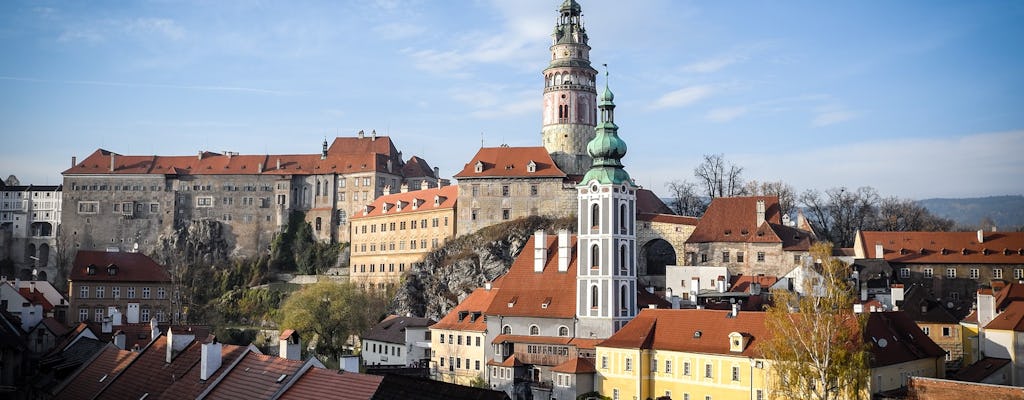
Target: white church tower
606, 270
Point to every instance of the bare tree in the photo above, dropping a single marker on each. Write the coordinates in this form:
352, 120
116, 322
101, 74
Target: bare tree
783, 190
839, 213
896, 214
719, 177
685, 199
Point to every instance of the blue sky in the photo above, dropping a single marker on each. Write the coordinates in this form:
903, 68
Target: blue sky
918, 99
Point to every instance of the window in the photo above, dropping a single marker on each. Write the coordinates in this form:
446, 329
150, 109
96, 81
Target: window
99, 314
83, 292
534, 191
951, 273
955, 296
615, 394
131, 292
997, 273
739, 256
1018, 274
725, 256
88, 207
926, 330
707, 371
927, 272
83, 314
115, 292
946, 331
442, 339
476, 365
161, 293
563, 331
593, 297
205, 201
506, 330
703, 258
629, 364
506, 213
477, 341
534, 330
668, 366
654, 365
904, 272
459, 338
760, 256
145, 292
595, 256
476, 190
686, 368
604, 362
472, 214
974, 273
735, 374
505, 191
100, 292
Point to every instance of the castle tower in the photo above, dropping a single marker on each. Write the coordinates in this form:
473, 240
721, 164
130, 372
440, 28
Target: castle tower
606, 269
569, 93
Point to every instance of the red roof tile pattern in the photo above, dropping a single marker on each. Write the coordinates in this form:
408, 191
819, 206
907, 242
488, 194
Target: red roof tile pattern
576, 366
257, 376
345, 155
1011, 293
734, 219
417, 168
675, 330
577, 342
96, 374
474, 307
509, 162
981, 369
150, 372
36, 298
524, 292
920, 388
190, 386
741, 283
945, 247
323, 384
904, 340
1011, 319
411, 202
130, 267
668, 218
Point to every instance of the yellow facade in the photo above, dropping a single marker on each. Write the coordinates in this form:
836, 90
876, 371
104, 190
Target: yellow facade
458, 356
642, 374
969, 339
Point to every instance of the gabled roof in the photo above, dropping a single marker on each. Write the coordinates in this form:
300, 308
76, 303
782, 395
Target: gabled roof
944, 247
468, 315
580, 343
54, 326
676, 330
1011, 319
903, 339
981, 369
256, 376
576, 366
741, 283
392, 329
1013, 292
74, 355
921, 306
190, 386
417, 168
411, 202
734, 219
36, 298
94, 375
126, 267
648, 203
508, 162
546, 294
323, 384
668, 218
150, 372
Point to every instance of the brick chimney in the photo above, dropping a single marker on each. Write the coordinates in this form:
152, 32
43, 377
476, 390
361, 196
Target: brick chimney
74, 161
209, 359
760, 212
563, 250
540, 250
113, 162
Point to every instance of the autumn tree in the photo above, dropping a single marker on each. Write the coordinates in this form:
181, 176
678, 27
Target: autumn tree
816, 349
331, 312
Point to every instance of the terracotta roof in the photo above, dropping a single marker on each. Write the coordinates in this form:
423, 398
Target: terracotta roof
190, 385
1013, 292
668, 218
392, 329
74, 356
648, 203
980, 370
417, 168
422, 199
507, 162
546, 294
645, 299
675, 330
741, 283
130, 267
971, 318
511, 361
920, 305
1011, 319
576, 366
256, 376
286, 334
56, 327
346, 155
468, 314
36, 298
734, 219
150, 373
324, 384
904, 340
92, 377
569, 341
945, 247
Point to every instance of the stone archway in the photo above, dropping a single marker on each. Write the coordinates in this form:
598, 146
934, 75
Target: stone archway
655, 254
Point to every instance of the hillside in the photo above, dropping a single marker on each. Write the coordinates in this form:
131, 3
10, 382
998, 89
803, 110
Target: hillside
1007, 212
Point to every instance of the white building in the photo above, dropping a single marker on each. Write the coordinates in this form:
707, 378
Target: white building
399, 341
29, 221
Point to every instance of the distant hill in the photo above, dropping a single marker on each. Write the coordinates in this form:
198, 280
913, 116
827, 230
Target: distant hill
1006, 211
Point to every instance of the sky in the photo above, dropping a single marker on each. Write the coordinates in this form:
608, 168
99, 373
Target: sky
918, 99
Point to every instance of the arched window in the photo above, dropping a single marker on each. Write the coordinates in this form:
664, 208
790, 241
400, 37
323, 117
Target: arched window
623, 261
623, 223
506, 330
30, 252
595, 216
534, 330
318, 187
593, 296
318, 221
623, 299
563, 331
595, 256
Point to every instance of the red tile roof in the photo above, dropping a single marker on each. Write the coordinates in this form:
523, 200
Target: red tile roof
980, 370
392, 329
577, 342
474, 307
54, 326
945, 247
417, 168
506, 162
36, 298
1013, 292
741, 283
668, 218
422, 199
323, 384
190, 386
904, 340
345, 155
87, 382
257, 376
648, 203
130, 267
576, 366
528, 291
674, 330
734, 219
150, 373
1011, 319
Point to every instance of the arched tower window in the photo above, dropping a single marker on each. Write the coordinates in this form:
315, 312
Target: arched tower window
318, 187
623, 261
595, 216
623, 222
623, 300
593, 296
595, 256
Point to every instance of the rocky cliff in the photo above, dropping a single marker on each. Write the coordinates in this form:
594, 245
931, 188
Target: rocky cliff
448, 274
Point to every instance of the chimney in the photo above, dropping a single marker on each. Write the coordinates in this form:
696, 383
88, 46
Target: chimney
720, 284
437, 172
113, 162
694, 287
278, 163
897, 296
986, 307
115, 315
386, 191
373, 135
389, 165
760, 212
650, 289
404, 187
540, 251
132, 313
563, 250
107, 326
120, 340
154, 330
360, 134
200, 154
879, 251
755, 288
424, 184
74, 161
487, 286
259, 168
981, 236
176, 342
735, 310
289, 345
350, 364
209, 359
323, 153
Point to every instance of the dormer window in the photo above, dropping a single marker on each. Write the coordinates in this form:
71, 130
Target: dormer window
112, 269
531, 167
479, 167
738, 342
90, 269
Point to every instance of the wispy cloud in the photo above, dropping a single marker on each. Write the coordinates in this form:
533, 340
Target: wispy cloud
726, 114
493, 101
683, 97
714, 64
215, 88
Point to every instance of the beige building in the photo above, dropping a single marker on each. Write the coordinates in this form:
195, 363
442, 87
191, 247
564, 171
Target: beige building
131, 284
458, 341
398, 230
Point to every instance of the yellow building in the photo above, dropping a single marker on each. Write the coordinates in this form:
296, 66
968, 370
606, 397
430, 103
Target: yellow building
398, 230
458, 341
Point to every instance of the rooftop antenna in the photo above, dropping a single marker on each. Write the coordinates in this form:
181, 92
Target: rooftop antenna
605, 74
481, 139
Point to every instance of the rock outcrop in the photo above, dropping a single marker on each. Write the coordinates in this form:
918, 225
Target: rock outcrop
448, 274
204, 241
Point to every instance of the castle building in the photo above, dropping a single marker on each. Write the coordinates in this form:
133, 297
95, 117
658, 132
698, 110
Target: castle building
398, 230
125, 203
30, 218
102, 284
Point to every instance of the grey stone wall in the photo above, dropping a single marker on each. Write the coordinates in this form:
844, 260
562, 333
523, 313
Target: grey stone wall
553, 198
